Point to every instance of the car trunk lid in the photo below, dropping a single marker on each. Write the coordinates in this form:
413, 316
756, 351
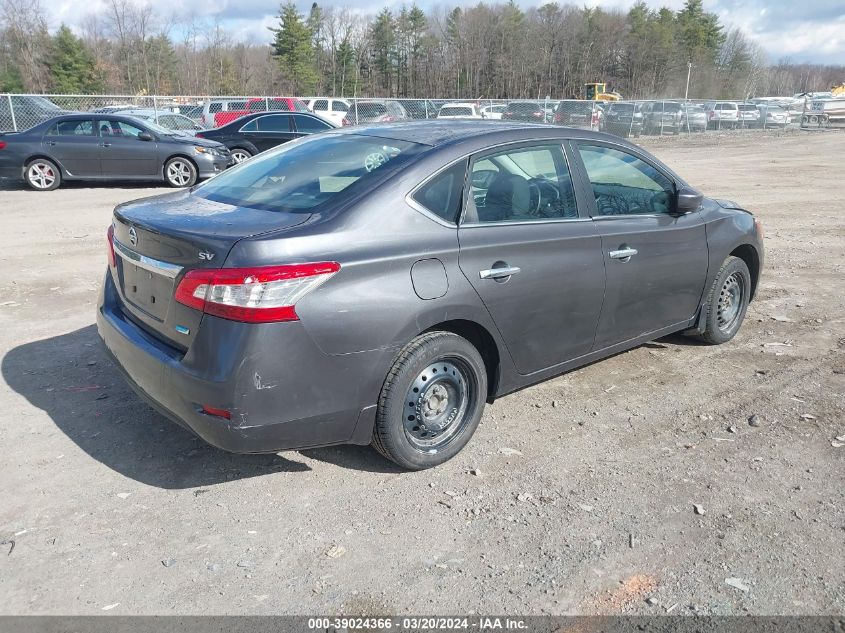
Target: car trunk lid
158, 239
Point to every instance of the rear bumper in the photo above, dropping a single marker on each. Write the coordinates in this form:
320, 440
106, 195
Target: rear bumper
282, 391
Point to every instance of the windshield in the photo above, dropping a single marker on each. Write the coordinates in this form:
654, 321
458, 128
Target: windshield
150, 124
302, 175
455, 111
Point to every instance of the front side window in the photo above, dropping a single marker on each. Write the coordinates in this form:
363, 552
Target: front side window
442, 194
304, 174
259, 106
274, 123
310, 124
519, 185
339, 106
215, 107
122, 129
321, 104
624, 184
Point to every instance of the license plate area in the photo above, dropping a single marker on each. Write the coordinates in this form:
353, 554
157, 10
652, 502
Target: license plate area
146, 290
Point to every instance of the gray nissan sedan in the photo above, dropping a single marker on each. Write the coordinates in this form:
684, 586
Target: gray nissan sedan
381, 284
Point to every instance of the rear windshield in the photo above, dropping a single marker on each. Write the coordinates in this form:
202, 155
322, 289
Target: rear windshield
621, 108
524, 107
746, 108
371, 109
455, 111
303, 175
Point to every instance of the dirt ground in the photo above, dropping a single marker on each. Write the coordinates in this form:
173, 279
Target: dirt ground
574, 496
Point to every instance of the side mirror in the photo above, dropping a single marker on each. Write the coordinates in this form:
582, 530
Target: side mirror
145, 136
687, 200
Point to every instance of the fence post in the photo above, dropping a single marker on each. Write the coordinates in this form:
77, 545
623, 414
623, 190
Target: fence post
155, 107
266, 104
12, 112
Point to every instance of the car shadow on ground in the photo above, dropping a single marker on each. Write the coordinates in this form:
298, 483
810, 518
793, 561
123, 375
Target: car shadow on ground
72, 379
13, 184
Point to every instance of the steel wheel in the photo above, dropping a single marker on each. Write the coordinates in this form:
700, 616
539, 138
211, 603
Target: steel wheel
731, 297
438, 405
240, 155
41, 175
179, 172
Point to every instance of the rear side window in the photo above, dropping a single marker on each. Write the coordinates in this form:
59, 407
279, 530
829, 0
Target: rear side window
215, 107
274, 123
442, 195
321, 104
258, 106
237, 105
72, 128
339, 106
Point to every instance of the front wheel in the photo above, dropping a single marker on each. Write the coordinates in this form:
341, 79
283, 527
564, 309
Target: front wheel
239, 155
42, 175
727, 302
180, 172
431, 402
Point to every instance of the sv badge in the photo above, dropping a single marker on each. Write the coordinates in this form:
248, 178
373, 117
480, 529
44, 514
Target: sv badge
206, 256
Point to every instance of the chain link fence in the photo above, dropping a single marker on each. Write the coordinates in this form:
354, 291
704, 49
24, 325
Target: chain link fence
628, 118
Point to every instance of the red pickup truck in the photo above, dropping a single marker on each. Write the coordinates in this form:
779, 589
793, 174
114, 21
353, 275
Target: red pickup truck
261, 104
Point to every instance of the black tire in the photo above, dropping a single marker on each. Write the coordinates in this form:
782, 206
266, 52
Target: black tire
240, 154
180, 172
721, 299
404, 409
42, 175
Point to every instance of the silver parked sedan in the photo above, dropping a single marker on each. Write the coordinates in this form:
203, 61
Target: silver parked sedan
382, 284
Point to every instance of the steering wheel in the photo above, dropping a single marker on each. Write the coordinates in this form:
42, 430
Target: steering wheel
374, 161
543, 194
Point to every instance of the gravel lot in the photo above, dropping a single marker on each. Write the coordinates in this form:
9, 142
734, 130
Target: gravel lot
575, 496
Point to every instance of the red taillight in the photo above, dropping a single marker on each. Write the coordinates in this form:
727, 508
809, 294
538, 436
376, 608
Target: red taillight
199, 135
345, 122
110, 238
253, 295
2, 144
558, 117
537, 114
217, 413
712, 115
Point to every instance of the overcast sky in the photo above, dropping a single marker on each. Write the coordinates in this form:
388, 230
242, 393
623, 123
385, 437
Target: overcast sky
808, 30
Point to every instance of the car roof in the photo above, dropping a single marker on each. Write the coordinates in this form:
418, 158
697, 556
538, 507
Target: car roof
437, 133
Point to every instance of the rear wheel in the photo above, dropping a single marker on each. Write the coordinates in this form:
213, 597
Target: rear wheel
180, 172
42, 175
431, 402
239, 155
727, 302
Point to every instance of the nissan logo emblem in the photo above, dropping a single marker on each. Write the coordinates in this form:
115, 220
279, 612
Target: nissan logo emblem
133, 236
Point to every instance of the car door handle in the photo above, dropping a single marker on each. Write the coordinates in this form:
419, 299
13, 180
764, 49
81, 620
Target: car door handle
51, 143
624, 253
105, 144
498, 273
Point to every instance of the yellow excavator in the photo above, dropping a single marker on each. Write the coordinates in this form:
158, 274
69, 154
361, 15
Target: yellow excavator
838, 91
598, 92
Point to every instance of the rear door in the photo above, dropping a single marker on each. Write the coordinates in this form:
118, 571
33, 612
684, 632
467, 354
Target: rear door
123, 154
74, 143
534, 261
269, 130
656, 262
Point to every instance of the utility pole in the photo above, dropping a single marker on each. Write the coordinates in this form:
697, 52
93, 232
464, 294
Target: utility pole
689, 70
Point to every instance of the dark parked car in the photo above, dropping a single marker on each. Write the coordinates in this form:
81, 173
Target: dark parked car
420, 108
623, 119
583, 114
530, 111
107, 147
661, 117
372, 111
255, 133
381, 284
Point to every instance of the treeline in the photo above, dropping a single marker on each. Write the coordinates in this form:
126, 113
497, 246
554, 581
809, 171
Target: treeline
488, 50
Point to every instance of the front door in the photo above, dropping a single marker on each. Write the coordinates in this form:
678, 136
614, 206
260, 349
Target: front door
123, 154
656, 261
535, 263
75, 145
